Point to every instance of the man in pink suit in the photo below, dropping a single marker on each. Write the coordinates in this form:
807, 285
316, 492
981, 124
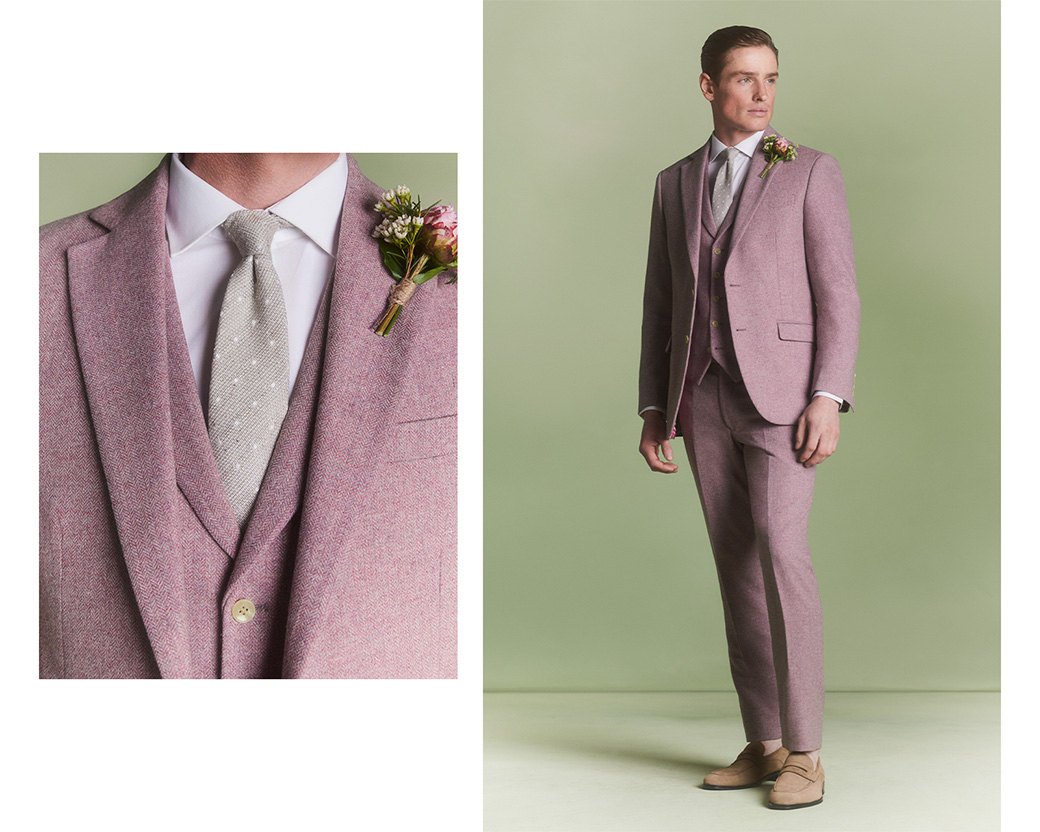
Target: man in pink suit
750, 334
343, 565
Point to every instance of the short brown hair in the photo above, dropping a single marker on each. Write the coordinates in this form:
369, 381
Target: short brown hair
722, 41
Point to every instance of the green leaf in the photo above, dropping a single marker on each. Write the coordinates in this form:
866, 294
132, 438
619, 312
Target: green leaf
422, 277
393, 259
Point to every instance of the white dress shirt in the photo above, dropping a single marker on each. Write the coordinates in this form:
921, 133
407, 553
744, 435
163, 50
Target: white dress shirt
716, 159
203, 257
740, 164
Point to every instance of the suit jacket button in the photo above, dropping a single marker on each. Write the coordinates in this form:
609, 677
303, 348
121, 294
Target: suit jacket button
687, 339
243, 611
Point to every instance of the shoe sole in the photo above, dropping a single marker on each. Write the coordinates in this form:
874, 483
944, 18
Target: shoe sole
793, 805
772, 805
765, 779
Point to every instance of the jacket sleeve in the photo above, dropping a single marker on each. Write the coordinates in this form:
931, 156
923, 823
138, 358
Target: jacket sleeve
657, 312
832, 276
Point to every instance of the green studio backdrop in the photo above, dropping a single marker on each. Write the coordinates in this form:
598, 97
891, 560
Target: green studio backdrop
598, 574
74, 182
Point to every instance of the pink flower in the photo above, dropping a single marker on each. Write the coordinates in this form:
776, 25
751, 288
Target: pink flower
782, 144
439, 237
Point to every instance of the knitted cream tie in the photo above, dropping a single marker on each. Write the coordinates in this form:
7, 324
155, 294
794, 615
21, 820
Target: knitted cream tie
249, 388
722, 196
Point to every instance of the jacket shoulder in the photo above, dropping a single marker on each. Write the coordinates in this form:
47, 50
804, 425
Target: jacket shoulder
676, 168
814, 159
59, 236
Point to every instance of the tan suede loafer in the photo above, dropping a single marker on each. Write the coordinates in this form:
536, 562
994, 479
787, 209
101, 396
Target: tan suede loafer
798, 785
749, 769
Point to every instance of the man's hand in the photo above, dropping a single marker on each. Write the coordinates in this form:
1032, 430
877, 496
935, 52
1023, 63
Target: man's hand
817, 432
654, 441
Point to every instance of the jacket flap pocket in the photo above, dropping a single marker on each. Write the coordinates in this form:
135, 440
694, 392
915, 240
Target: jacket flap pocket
796, 331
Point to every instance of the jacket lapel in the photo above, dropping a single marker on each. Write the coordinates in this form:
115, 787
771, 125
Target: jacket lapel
354, 409
753, 191
117, 285
692, 184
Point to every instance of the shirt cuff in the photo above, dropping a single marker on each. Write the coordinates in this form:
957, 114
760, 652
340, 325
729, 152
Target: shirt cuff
838, 399
651, 407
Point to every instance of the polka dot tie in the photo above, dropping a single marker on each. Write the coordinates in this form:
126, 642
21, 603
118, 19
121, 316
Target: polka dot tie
722, 196
249, 387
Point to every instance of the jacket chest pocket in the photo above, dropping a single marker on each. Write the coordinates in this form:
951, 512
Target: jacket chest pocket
423, 438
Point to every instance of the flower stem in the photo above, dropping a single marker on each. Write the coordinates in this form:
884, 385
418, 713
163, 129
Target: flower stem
386, 323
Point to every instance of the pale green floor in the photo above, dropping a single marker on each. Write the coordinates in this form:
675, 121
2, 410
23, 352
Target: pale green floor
895, 762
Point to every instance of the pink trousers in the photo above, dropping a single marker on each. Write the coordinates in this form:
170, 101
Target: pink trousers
756, 498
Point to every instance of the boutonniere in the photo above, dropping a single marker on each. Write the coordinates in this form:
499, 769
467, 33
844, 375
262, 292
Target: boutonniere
778, 149
417, 244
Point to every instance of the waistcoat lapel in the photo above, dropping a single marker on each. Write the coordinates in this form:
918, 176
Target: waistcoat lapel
197, 473
117, 286
707, 214
279, 496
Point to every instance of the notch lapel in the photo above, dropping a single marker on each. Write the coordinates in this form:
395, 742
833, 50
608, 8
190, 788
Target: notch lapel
354, 409
753, 191
692, 184
117, 287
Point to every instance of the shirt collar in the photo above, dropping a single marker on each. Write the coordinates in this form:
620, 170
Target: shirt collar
194, 207
747, 147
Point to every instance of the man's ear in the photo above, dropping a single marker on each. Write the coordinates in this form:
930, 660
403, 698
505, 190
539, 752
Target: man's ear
707, 87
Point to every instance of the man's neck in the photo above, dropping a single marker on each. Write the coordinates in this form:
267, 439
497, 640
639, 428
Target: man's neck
257, 180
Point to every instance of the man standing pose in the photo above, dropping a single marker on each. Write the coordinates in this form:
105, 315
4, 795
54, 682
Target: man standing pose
750, 334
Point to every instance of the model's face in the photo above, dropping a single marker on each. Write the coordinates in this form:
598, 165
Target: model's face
742, 97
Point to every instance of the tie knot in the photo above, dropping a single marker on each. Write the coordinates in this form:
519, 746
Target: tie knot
252, 231
731, 154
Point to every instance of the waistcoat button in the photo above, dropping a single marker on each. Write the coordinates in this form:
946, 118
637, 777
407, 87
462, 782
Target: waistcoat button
243, 611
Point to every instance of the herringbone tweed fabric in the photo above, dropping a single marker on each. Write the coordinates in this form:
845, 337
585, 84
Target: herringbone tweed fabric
349, 554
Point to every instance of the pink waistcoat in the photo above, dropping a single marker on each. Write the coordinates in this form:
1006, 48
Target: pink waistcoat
223, 646
711, 338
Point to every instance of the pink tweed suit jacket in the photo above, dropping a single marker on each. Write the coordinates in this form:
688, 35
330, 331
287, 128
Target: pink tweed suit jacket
790, 282
352, 541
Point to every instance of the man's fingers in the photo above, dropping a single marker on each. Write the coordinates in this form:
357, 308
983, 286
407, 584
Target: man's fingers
826, 447
649, 450
812, 441
799, 434
655, 447
658, 464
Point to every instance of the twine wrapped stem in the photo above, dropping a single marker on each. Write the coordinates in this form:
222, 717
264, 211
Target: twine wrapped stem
400, 295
